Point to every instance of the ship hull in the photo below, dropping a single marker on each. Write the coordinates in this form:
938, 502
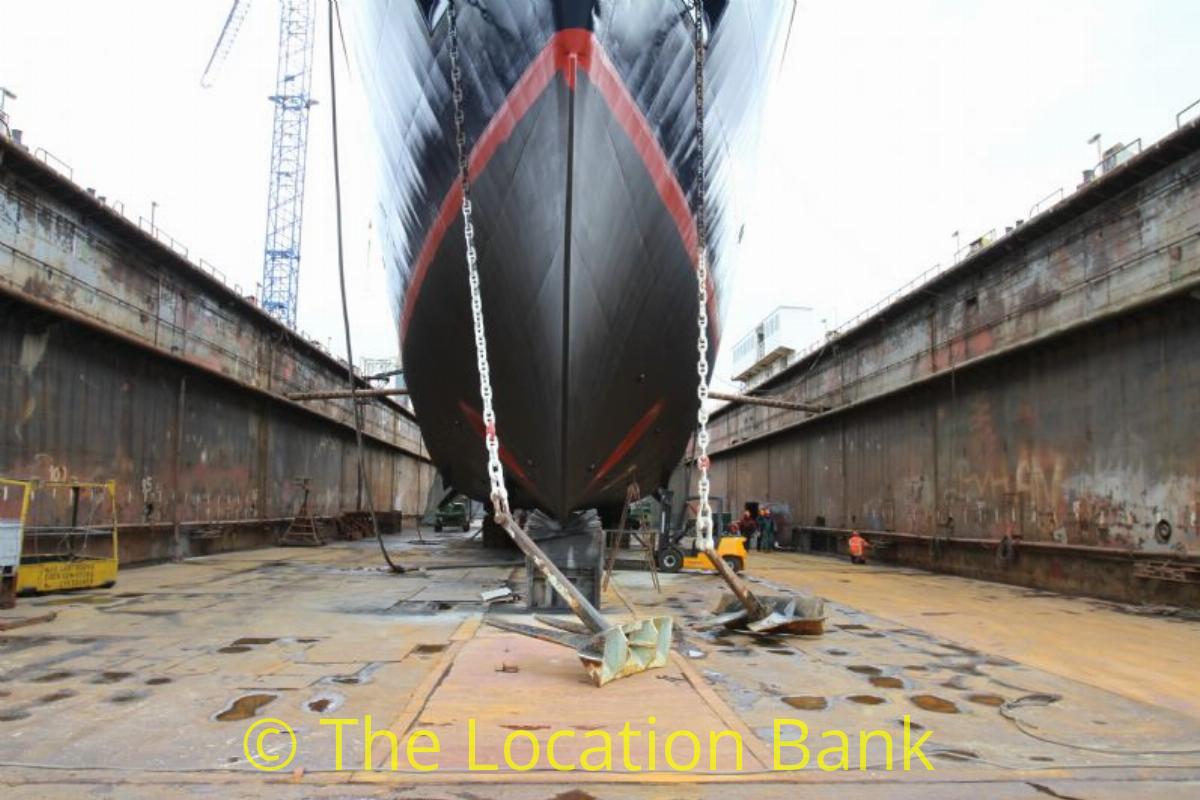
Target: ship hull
587, 256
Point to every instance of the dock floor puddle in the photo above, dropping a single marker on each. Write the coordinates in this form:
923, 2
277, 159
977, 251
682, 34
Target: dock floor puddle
61, 694
244, 707
806, 702
110, 677
986, 699
930, 702
53, 677
864, 670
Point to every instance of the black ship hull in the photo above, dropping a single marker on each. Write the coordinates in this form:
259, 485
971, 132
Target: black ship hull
581, 126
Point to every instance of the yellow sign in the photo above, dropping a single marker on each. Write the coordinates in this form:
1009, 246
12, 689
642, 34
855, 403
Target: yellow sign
59, 576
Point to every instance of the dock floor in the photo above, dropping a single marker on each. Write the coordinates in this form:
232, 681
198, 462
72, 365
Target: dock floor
149, 689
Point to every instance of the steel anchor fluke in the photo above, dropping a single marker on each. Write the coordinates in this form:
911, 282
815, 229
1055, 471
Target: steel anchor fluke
799, 616
789, 614
620, 650
627, 649
607, 651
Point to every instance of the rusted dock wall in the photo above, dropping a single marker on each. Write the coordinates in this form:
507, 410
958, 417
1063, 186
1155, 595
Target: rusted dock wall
120, 359
1047, 388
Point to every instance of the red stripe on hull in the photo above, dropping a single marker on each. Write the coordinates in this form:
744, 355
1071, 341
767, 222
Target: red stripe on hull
633, 437
506, 455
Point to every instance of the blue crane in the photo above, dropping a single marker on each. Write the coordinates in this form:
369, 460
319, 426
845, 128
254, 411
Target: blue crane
289, 146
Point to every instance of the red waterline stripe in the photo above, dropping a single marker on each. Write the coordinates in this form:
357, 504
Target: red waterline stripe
506, 455
633, 437
563, 53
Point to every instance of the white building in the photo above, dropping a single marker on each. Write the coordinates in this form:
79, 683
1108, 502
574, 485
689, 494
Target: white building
774, 342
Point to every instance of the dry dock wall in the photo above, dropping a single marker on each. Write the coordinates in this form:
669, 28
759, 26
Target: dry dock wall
121, 359
1046, 388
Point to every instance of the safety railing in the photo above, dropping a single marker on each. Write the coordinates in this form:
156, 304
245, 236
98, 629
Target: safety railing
1179, 117
974, 246
1114, 159
54, 162
1134, 146
1052, 199
163, 237
215, 273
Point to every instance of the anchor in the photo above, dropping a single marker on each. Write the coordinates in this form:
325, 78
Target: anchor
786, 614
742, 608
607, 651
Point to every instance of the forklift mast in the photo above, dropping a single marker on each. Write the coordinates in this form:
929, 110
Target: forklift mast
673, 533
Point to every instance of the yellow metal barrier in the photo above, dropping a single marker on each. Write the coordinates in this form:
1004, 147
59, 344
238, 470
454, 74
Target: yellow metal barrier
79, 555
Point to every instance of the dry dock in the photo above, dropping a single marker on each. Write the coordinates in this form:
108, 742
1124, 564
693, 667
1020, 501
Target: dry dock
1016, 434
148, 691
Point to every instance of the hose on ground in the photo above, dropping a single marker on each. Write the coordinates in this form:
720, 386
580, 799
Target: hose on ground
1008, 709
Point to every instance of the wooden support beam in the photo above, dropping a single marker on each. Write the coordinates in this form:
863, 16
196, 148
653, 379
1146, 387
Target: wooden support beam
768, 401
342, 394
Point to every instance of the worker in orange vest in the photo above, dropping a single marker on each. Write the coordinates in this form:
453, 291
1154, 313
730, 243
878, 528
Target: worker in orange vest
858, 547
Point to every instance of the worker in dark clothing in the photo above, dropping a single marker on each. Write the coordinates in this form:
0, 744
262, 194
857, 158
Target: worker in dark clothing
766, 525
748, 528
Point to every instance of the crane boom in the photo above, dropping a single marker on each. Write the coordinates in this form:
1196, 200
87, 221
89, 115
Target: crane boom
229, 32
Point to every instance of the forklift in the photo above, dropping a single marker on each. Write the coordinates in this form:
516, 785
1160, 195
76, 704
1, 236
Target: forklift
674, 554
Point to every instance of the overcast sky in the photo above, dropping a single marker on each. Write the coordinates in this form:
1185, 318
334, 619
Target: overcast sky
893, 125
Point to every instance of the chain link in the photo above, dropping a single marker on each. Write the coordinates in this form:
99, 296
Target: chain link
704, 515
499, 493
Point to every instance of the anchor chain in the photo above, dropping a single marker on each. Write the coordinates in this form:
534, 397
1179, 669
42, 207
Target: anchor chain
499, 493
704, 514
768, 614
607, 651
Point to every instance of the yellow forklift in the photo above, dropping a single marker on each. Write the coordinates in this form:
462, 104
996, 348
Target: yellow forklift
677, 550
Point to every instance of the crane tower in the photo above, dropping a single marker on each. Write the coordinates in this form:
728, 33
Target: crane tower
289, 147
